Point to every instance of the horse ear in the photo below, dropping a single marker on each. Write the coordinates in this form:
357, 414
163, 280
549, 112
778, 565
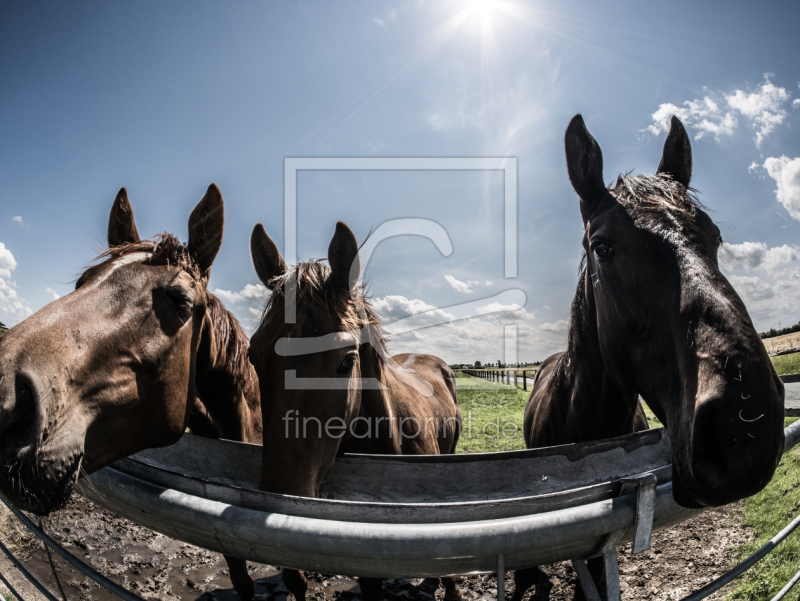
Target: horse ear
584, 165
343, 257
121, 225
676, 160
265, 255
206, 224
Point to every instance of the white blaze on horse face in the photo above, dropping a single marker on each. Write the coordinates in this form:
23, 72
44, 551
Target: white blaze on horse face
125, 260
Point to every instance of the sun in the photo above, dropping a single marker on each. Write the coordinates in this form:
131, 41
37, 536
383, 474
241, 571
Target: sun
483, 9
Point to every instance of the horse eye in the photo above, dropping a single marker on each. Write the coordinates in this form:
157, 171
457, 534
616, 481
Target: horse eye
181, 303
347, 365
601, 251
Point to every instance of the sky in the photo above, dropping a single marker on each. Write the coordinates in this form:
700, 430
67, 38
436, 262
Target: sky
165, 98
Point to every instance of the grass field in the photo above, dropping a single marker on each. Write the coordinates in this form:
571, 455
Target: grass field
485, 405
492, 415
787, 364
768, 513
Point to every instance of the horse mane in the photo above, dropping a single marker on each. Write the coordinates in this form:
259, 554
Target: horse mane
650, 200
230, 334
316, 294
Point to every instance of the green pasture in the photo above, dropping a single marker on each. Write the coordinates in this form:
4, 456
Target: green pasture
485, 405
787, 364
767, 513
492, 415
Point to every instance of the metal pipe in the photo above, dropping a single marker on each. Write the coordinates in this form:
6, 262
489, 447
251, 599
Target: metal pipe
748, 563
782, 593
10, 588
31, 578
366, 549
52, 565
501, 578
379, 549
77, 563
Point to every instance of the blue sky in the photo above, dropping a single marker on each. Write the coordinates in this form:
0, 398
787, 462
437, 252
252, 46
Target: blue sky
164, 98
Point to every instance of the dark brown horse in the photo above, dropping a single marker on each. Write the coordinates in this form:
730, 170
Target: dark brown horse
139, 350
653, 316
331, 385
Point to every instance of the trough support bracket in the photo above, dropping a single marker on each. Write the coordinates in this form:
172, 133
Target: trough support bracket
645, 487
611, 569
585, 578
501, 578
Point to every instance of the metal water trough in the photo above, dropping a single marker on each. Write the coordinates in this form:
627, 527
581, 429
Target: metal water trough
387, 516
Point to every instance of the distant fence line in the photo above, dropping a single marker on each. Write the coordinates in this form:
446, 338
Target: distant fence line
503, 375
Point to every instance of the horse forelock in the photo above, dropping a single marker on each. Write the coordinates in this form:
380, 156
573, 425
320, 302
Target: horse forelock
318, 296
164, 249
656, 197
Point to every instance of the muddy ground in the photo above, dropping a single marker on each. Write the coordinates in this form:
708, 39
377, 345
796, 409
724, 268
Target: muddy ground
680, 560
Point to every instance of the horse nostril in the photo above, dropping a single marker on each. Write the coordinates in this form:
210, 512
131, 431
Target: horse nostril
23, 392
23, 417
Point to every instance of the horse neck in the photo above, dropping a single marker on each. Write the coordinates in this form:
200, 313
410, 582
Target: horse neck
226, 381
597, 407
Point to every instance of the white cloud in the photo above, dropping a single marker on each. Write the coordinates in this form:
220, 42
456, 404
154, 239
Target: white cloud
393, 308
246, 304
7, 262
53, 293
767, 279
752, 255
10, 303
465, 287
764, 108
18, 218
752, 288
796, 103
437, 332
391, 16
704, 115
559, 327
251, 292
786, 173
497, 307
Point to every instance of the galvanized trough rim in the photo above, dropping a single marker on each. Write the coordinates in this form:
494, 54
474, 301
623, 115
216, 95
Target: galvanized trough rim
388, 489
374, 549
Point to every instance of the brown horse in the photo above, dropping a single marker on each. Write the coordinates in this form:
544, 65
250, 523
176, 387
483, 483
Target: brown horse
653, 316
139, 350
331, 385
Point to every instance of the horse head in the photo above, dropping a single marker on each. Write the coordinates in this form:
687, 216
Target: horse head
109, 369
309, 353
668, 325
